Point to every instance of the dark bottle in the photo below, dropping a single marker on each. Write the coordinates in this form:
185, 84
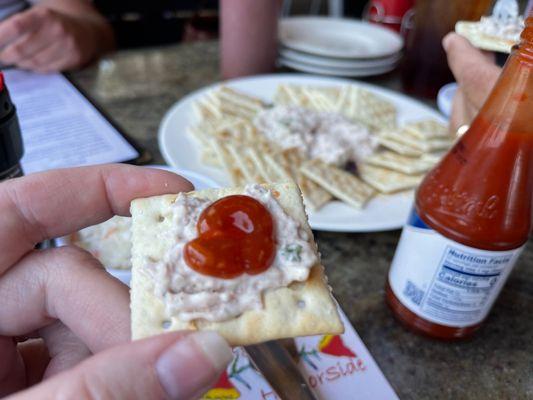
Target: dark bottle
11, 147
424, 67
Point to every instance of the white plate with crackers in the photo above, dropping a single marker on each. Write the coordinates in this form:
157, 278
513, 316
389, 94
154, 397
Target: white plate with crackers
408, 138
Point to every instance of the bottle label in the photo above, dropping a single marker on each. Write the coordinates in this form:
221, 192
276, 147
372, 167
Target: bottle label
444, 281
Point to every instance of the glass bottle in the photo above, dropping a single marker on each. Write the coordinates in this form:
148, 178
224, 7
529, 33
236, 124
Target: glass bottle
472, 213
424, 66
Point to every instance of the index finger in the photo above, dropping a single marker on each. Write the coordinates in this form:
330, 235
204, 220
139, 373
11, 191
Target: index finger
55, 203
17, 25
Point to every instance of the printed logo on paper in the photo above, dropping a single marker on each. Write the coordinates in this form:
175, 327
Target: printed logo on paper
332, 365
329, 360
222, 390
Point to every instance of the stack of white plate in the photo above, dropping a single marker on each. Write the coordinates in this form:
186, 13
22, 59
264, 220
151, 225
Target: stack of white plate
338, 47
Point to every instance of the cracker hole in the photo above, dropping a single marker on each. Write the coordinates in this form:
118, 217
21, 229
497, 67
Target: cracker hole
161, 218
152, 259
300, 304
165, 324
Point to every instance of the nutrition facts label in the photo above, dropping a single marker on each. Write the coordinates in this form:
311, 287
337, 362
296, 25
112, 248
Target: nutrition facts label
462, 286
444, 281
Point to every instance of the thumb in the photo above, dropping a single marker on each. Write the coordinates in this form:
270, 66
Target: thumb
471, 68
178, 365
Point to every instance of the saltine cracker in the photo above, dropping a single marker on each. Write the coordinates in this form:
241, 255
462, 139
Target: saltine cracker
470, 30
399, 163
341, 184
301, 309
387, 181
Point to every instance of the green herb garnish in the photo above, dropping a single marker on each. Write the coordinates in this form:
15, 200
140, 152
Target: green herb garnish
292, 252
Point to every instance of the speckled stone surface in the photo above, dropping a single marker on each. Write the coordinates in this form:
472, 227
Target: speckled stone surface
137, 87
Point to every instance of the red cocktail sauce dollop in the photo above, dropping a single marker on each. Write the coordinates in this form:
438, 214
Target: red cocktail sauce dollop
235, 236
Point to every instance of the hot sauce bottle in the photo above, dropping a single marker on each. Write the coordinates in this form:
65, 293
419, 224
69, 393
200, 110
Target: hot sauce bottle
472, 213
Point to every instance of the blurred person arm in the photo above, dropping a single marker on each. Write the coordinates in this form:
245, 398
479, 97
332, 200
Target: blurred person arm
475, 72
55, 35
248, 37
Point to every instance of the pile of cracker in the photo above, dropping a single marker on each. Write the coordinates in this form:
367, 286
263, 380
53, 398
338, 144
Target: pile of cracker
229, 140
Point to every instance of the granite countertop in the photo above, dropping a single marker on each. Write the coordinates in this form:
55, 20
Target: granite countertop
137, 87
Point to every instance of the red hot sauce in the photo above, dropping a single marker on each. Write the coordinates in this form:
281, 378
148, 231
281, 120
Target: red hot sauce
235, 236
472, 214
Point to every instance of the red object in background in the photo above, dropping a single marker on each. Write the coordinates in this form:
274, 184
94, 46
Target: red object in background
388, 13
1, 81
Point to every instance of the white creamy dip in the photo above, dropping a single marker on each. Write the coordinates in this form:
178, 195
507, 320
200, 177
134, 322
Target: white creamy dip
328, 136
109, 242
191, 295
509, 29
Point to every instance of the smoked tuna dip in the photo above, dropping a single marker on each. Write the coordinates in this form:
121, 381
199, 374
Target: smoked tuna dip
190, 295
509, 29
109, 242
328, 136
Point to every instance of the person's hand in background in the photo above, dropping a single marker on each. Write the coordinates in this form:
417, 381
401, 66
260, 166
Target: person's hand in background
55, 35
475, 73
59, 306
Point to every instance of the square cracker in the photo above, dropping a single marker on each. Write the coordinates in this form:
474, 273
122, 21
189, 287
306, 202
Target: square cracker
406, 138
225, 159
401, 148
244, 163
471, 31
404, 164
428, 129
387, 181
366, 107
277, 167
341, 184
282, 315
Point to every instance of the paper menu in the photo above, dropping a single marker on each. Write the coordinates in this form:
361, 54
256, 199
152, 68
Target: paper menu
336, 367
60, 127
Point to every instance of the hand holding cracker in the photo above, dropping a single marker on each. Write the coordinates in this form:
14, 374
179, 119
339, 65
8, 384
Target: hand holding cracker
475, 73
59, 307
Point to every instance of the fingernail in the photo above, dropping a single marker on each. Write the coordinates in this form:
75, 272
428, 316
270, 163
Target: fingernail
192, 364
